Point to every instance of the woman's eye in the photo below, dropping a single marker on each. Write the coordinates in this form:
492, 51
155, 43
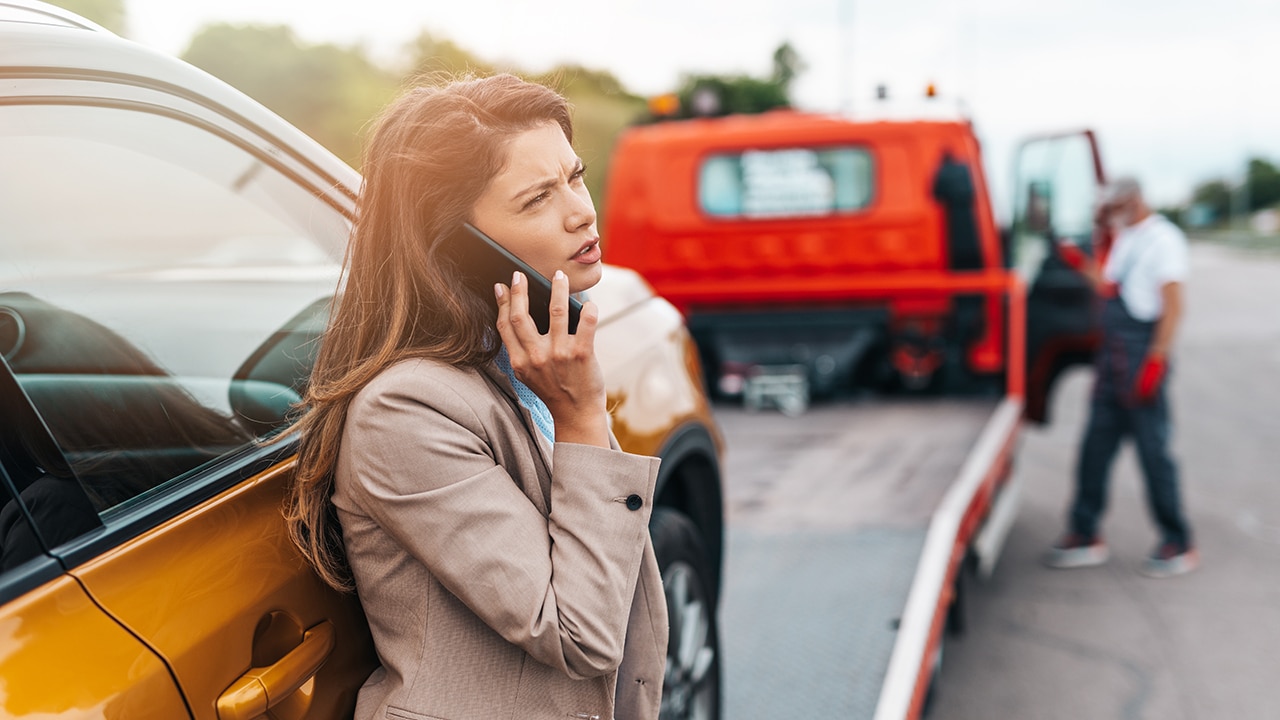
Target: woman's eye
578, 176
537, 199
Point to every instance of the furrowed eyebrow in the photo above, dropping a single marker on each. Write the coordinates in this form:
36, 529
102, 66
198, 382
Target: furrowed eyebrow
536, 188
549, 183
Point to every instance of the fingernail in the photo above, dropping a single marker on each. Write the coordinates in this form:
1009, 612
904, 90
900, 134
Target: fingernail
497, 290
559, 275
515, 278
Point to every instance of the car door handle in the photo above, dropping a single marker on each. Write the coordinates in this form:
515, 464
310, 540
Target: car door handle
257, 690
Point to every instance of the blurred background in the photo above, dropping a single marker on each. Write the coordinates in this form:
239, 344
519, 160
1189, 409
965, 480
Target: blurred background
1182, 94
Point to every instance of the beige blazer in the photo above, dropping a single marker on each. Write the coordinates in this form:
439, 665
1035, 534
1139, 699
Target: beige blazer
502, 577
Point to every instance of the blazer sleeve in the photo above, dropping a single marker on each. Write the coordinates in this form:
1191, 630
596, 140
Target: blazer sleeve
560, 587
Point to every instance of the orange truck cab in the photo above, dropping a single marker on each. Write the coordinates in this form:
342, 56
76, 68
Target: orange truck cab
814, 254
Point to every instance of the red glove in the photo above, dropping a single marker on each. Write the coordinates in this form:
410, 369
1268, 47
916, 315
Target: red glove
1150, 375
1072, 255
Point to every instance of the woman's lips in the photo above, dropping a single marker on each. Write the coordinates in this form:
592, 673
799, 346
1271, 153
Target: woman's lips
589, 254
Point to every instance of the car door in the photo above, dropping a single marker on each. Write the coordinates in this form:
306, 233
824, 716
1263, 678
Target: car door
164, 269
60, 655
1056, 183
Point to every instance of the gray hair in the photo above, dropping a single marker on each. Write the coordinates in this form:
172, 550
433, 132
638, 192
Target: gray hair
1122, 188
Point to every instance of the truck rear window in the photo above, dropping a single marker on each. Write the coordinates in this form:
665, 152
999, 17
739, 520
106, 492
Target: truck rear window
785, 182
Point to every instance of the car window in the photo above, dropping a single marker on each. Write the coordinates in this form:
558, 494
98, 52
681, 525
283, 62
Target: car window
1055, 189
41, 503
161, 289
785, 182
18, 543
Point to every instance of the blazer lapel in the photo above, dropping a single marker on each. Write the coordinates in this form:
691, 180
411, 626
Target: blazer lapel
545, 449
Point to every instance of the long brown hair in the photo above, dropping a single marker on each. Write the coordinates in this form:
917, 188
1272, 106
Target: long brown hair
430, 156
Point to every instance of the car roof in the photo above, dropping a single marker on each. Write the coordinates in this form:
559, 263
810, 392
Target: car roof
42, 13
41, 40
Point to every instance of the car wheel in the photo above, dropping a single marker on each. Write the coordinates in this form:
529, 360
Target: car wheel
691, 683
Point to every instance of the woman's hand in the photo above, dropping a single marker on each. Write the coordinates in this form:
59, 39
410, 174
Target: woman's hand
561, 368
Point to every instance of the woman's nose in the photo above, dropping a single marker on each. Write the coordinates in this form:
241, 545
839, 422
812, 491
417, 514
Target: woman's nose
581, 211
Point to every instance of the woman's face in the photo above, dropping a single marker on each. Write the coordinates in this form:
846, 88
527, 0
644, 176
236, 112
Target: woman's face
539, 208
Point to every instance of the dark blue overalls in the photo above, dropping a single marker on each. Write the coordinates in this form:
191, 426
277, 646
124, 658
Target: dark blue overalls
1114, 413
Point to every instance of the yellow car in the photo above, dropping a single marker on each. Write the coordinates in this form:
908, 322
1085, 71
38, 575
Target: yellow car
168, 249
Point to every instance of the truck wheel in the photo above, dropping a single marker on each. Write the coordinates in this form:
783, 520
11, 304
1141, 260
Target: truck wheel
691, 684
957, 617
935, 676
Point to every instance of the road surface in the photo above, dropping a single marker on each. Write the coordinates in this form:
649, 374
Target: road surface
1045, 644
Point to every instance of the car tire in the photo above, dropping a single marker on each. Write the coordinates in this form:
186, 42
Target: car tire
691, 683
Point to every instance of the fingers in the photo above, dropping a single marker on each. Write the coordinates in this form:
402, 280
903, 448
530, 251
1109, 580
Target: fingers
519, 316
502, 294
513, 315
583, 340
559, 310
587, 320
556, 354
514, 323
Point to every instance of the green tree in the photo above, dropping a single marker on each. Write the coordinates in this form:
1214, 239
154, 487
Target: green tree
327, 91
1215, 195
110, 14
716, 95
786, 66
1264, 184
710, 95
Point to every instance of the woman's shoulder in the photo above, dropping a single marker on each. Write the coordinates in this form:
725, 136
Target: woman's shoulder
424, 368
424, 380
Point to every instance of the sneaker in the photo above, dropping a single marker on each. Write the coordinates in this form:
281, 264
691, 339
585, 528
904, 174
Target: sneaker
1170, 559
1076, 551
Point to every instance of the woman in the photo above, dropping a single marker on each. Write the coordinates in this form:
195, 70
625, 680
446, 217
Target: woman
457, 469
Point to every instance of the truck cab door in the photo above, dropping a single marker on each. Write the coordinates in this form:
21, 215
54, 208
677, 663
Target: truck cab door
1057, 178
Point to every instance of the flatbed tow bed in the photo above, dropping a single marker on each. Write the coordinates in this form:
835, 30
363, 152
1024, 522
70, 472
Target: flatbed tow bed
848, 528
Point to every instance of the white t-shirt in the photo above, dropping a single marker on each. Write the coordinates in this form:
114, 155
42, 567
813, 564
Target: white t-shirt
1144, 257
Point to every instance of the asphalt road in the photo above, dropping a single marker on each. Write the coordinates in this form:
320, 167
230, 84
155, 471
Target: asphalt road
828, 514
1041, 644
1107, 642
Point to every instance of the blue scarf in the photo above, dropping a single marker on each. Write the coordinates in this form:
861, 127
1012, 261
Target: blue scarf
528, 398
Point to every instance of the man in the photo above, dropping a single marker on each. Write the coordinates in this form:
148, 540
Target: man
1141, 289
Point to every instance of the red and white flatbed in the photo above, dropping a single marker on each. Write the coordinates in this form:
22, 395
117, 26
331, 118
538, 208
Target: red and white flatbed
850, 528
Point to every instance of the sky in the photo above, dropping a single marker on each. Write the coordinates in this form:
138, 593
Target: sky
1178, 92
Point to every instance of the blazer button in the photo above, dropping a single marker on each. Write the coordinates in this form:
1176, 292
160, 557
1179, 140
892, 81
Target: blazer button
634, 502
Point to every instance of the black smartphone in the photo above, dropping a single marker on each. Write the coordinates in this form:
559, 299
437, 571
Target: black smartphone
483, 263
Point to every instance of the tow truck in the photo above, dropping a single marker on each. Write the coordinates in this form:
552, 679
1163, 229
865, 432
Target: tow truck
853, 275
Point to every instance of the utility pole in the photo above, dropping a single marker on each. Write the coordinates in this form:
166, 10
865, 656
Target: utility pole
845, 19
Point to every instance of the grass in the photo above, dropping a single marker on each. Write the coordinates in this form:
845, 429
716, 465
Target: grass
1239, 238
